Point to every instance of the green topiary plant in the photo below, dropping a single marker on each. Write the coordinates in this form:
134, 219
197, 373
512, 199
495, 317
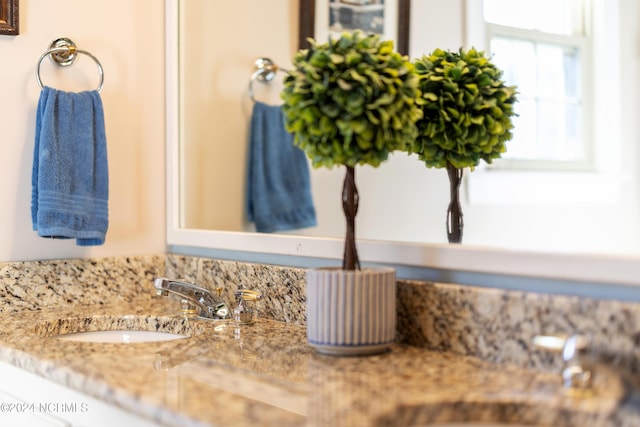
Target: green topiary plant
351, 101
467, 117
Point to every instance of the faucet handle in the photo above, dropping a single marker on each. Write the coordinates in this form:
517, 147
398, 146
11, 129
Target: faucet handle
577, 355
247, 295
243, 314
550, 343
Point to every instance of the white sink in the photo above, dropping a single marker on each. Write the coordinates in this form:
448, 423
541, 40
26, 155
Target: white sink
124, 337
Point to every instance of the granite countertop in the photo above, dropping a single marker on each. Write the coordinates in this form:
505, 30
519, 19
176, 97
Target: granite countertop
266, 374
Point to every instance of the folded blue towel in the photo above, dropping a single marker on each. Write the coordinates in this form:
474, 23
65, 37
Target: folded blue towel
69, 180
279, 187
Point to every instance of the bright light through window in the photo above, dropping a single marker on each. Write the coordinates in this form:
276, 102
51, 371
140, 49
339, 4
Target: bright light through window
563, 17
534, 42
549, 123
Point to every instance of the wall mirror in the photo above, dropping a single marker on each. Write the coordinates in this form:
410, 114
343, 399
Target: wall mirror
556, 225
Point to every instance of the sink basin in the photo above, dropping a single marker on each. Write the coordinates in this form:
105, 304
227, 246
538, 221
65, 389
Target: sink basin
125, 337
124, 329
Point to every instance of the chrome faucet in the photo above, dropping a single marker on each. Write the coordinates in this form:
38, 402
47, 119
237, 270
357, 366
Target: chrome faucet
577, 356
195, 301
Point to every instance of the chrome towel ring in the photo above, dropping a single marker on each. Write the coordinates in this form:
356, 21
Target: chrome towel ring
63, 51
265, 72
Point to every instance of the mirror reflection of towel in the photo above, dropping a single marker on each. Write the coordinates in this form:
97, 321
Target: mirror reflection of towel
70, 183
279, 186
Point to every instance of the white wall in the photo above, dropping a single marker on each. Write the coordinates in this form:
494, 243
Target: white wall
128, 39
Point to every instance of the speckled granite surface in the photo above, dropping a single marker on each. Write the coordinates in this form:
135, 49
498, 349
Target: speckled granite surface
464, 353
282, 288
499, 325
493, 324
36, 284
265, 374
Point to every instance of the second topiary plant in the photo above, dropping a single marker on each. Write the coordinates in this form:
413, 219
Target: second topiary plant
467, 117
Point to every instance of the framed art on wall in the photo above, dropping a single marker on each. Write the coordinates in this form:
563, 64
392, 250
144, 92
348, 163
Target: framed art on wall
9, 17
320, 19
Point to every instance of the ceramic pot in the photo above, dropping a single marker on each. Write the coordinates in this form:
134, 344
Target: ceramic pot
351, 312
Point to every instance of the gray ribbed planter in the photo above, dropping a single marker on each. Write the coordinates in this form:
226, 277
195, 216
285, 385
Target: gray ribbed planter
351, 312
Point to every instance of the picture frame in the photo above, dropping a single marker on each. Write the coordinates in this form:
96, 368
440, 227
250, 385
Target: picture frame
318, 17
9, 22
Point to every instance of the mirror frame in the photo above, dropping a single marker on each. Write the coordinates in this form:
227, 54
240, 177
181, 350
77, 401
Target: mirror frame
9, 18
558, 272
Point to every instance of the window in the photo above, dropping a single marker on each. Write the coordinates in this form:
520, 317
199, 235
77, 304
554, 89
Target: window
595, 198
543, 47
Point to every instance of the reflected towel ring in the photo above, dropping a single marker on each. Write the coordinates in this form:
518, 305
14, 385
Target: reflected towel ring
63, 51
265, 72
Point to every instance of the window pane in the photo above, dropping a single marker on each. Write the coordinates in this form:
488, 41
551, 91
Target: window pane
524, 144
558, 133
558, 71
517, 59
549, 123
551, 16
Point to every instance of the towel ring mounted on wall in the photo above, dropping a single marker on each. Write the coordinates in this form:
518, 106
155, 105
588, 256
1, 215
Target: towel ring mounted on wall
63, 51
265, 72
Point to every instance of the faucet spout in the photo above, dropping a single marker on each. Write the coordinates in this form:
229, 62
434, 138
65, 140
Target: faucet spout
208, 305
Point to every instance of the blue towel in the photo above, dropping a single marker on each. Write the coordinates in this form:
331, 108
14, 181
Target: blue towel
69, 180
279, 187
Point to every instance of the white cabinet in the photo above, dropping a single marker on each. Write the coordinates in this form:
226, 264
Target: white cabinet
28, 400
